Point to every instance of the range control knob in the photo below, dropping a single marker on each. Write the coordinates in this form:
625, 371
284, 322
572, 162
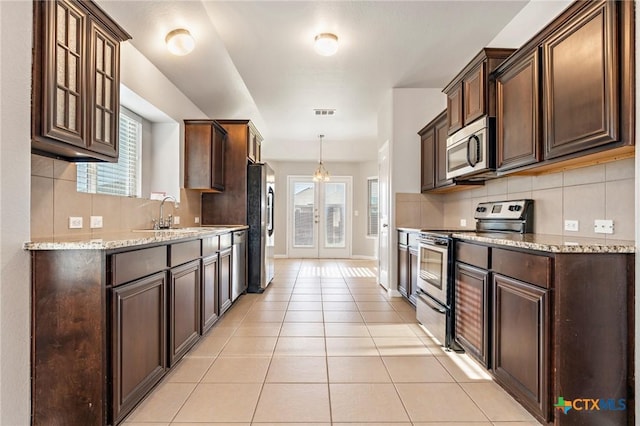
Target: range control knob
481, 209
515, 208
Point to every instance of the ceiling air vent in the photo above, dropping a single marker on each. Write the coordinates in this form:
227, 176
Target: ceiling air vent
324, 112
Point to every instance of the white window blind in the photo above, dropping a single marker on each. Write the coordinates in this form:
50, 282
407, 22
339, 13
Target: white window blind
372, 207
119, 178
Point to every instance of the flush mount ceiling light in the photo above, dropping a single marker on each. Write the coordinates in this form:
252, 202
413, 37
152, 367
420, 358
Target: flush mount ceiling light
321, 174
326, 44
180, 42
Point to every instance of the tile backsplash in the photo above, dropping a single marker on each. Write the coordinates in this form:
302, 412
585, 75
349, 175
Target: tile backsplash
54, 198
604, 191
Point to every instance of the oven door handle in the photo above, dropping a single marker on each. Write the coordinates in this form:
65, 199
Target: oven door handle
477, 156
428, 302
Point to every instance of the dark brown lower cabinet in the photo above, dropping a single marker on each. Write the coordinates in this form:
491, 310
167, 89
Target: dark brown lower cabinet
139, 349
224, 280
209, 292
521, 341
472, 311
184, 311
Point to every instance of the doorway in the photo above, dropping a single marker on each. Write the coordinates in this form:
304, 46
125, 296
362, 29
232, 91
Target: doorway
319, 217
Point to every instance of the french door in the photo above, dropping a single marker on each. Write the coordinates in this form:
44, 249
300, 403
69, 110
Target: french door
319, 220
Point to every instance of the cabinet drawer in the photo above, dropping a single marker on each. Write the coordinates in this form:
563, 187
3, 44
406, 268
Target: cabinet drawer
210, 246
225, 241
473, 254
525, 267
137, 264
184, 252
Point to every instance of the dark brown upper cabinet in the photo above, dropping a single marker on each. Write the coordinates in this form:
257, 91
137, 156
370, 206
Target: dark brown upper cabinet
565, 98
427, 155
580, 88
76, 81
517, 114
204, 145
471, 94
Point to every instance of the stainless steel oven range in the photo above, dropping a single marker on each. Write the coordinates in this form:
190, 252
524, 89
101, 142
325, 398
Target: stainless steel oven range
436, 257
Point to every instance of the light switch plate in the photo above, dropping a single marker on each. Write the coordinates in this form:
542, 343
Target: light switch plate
463, 222
571, 225
75, 222
96, 222
601, 226
196, 219
176, 220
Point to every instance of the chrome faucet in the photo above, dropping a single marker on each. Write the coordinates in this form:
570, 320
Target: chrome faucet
161, 223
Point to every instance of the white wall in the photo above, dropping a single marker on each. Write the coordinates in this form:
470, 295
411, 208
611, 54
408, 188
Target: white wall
412, 110
15, 175
167, 110
361, 246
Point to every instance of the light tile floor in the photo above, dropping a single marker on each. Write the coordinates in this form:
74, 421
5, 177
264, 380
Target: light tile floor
324, 345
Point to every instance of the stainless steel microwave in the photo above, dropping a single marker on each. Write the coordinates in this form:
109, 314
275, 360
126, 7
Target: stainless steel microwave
471, 151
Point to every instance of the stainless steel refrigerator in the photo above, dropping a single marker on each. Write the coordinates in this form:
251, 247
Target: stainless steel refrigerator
260, 199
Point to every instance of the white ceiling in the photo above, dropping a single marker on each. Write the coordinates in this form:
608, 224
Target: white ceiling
255, 59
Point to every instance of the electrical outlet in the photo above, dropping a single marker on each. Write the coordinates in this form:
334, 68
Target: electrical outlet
75, 222
571, 225
176, 220
463, 222
356, 213
196, 219
96, 222
601, 226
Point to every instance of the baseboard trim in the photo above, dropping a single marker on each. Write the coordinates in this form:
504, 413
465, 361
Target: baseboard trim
280, 256
361, 257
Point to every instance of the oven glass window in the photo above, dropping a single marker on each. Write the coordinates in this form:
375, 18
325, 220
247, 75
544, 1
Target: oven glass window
431, 267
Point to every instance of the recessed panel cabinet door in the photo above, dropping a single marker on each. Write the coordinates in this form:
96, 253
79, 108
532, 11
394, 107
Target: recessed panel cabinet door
427, 141
517, 112
139, 348
184, 312
440, 155
581, 99
474, 91
454, 109
521, 341
209, 292
224, 280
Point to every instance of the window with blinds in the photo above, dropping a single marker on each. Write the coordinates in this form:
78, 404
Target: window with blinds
121, 178
372, 207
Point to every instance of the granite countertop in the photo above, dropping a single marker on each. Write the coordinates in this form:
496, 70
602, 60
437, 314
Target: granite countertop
131, 238
551, 243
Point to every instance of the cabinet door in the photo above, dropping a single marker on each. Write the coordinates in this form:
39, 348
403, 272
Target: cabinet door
518, 134
209, 292
197, 142
184, 309
580, 89
403, 270
454, 109
217, 158
139, 350
473, 89
521, 341
472, 311
427, 153
413, 274
224, 280
258, 150
440, 155
103, 106
62, 27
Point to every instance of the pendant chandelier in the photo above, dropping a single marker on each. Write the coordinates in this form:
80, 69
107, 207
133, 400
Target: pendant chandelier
321, 174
